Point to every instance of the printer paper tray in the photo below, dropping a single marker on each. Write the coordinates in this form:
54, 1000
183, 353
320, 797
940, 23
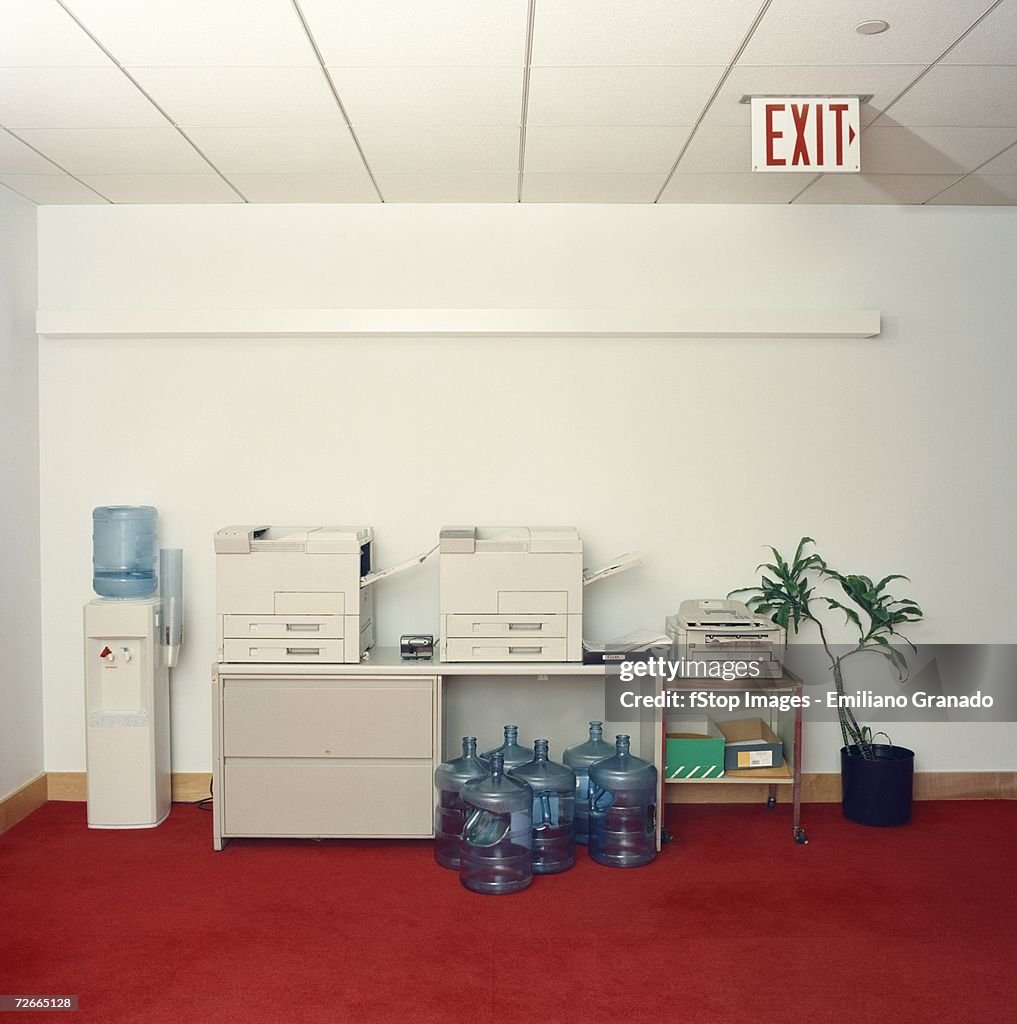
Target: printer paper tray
495, 649
285, 651
523, 628
289, 627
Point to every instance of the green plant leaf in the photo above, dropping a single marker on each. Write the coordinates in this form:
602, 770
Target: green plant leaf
850, 614
886, 579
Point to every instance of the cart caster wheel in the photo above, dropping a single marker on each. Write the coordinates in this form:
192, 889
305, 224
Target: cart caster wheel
665, 836
771, 801
800, 837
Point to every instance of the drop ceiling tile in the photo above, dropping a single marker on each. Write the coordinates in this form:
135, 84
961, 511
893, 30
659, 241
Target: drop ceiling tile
1005, 163
992, 41
279, 150
958, 95
34, 34
720, 150
51, 188
823, 31
893, 150
448, 188
198, 33
450, 33
980, 190
73, 98
619, 150
241, 97
17, 158
620, 95
883, 83
437, 150
639, 32
162, 188
875, 189
306, 188
733, 188
591, 188
430, 96
117, 150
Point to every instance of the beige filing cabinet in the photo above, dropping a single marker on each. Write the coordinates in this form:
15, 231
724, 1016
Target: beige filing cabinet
321, 751
349, 751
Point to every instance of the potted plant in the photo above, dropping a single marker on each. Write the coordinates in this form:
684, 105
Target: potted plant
876, 778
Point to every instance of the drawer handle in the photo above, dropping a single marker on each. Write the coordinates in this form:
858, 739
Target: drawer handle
303, 627
525, 627
308, 651
526, 650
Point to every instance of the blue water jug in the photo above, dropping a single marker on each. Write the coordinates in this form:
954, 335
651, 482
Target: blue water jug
495, 848
579, 758
511, 751
554, 803
623, 809
124, 550
450, 811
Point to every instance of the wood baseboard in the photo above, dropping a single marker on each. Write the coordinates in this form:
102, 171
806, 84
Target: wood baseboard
965, 786
185, 787
189, 787
817, 787
66, 786
22, 802
824, 787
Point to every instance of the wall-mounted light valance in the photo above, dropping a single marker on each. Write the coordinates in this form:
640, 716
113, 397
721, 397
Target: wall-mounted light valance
581, 323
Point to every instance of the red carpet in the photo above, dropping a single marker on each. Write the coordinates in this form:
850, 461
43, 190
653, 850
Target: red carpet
733, 924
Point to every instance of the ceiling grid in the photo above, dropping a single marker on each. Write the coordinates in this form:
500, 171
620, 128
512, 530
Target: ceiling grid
495, 101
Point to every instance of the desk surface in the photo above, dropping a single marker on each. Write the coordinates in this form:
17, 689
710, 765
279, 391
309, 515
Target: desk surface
386, 661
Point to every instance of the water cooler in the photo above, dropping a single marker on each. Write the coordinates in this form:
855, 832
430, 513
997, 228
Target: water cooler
132, 636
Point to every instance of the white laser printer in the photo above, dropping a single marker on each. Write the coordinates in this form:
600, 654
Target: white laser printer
511, 593
294, 594
719, 630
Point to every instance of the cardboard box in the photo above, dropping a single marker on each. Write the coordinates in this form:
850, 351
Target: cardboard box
750, 743
693, 748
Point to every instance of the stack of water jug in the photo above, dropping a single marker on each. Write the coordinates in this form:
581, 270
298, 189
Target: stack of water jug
512, 813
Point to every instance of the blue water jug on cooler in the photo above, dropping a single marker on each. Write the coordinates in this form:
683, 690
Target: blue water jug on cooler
495, 850
579, 758
623, 809
124, 551
450, 811
511, 751
554, 802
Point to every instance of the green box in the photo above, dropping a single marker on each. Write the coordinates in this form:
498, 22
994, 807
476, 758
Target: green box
693, 748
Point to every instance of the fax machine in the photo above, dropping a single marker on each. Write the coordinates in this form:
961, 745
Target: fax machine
294, 594
716, 630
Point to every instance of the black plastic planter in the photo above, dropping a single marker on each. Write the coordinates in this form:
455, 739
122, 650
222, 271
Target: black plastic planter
878, 791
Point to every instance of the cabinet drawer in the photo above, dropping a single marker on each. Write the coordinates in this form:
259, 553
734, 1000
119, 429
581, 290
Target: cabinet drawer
292, 627
319, 798
511, 627
522, 649
282, 652
327, 718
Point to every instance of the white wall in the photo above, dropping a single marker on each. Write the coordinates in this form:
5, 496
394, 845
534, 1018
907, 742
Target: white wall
21, 757
894, 452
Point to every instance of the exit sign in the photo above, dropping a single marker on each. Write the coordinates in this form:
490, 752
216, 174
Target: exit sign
805, 134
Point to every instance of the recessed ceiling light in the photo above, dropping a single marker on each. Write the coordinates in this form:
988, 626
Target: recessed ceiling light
872, 28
